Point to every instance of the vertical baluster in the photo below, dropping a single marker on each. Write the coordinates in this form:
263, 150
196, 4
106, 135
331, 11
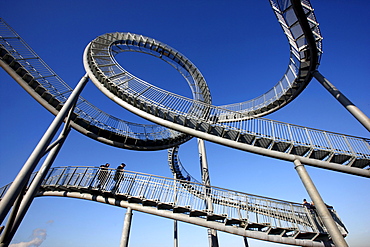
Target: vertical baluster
61, 175
72, 175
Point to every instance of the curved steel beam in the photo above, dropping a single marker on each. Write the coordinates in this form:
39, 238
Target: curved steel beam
234, 129
185, 218
42, 83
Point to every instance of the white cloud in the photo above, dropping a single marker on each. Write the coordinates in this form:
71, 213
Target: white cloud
38, 236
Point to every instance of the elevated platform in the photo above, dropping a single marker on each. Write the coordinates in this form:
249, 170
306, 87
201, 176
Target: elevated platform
234, 212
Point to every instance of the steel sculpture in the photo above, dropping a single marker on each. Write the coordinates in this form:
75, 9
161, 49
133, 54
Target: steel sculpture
235, 129
180, 119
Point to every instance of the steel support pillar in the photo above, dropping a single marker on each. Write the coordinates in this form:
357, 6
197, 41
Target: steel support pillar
212, 233
126, 228
13, 224
4, 242
245, 241
321, 208
23, 176
175, 234
175, 224
354, 110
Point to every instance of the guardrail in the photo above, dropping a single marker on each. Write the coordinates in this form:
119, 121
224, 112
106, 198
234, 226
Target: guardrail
22, 53
205, 117
169, 193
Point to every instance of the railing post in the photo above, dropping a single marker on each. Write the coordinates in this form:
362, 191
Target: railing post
61, 175
321, 208
83, 176
70, 178
349, 145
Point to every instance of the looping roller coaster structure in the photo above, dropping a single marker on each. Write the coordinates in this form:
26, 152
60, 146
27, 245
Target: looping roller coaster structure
179, 119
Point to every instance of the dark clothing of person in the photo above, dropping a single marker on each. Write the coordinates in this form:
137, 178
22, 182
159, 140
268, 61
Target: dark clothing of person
306, 204
103, 176
118, 176
118, 173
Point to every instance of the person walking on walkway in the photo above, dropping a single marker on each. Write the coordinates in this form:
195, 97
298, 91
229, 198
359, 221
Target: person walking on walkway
118, 177
103, 176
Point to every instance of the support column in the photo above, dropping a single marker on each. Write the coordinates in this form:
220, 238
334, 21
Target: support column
23, 176
321, 208
13, 224
126, 228
245, 241
175, 230
4, 242
175, 234
354, 110
212, 233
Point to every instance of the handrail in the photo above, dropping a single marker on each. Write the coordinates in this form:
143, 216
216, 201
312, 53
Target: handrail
178, 170
247, 214
199, 112
38, 77
298, 47
230, 204
156, 104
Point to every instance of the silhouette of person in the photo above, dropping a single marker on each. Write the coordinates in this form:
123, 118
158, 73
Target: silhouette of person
118, 176
103, 175
306, 204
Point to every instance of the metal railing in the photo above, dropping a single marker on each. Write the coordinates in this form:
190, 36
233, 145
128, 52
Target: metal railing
193, 113
52, 83
229, 204
105, 47
176, 166
287, 19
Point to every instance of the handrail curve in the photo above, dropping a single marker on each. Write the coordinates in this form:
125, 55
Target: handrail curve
43, 84
235, 129
235, 212
177, 169
301, 63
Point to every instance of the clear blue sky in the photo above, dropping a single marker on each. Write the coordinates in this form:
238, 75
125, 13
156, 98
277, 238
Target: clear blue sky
242, 52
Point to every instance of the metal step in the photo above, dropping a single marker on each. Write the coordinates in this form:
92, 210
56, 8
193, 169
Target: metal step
216, 130
215, 217
280, 231
231, 134
233, 221
361, 163
262, 142
198, 213
258, 226
165, 205
299, 150
246, 138
150, 203
181, 209
319, 154
280, 146
340, 158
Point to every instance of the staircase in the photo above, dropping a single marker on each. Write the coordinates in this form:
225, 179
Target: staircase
43, 84
301, 63
236, 129
234, 212
262, 136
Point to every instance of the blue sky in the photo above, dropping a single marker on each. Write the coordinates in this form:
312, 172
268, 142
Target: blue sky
241, 51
